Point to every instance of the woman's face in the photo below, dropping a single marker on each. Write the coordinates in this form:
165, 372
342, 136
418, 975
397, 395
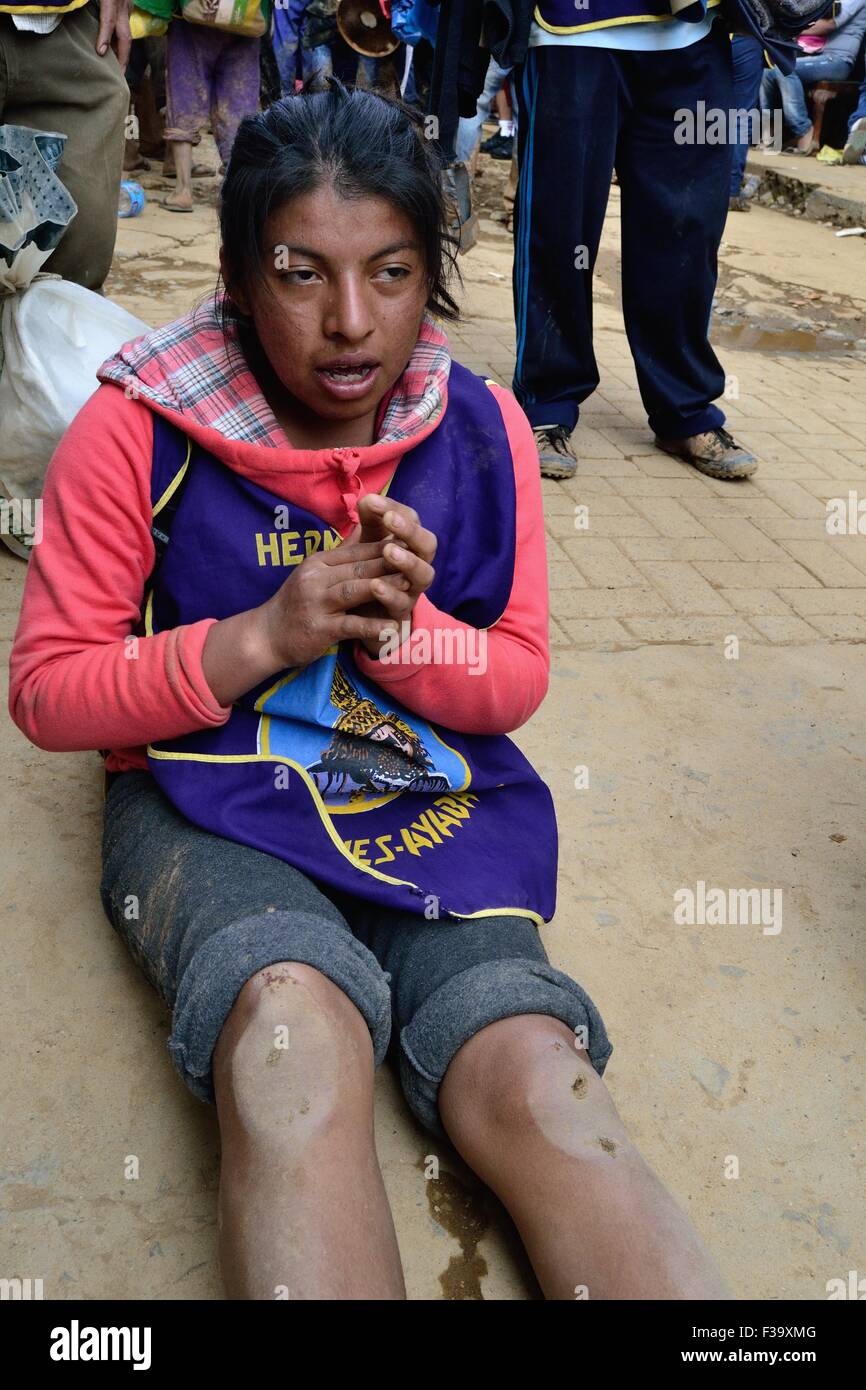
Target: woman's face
338, 311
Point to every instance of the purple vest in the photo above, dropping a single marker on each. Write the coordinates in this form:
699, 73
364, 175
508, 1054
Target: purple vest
320, 766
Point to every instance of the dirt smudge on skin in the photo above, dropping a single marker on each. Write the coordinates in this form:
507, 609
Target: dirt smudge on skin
580, 1087
461, 1211
273, 1057
609, 1145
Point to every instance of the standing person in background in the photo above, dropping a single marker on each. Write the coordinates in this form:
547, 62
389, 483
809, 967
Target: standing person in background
319, 32
843, 37
748, 57
469, 128
58, 73
501, 145
599, 94
211, 75
286, 39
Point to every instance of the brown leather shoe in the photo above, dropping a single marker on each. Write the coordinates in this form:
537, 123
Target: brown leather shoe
715, 453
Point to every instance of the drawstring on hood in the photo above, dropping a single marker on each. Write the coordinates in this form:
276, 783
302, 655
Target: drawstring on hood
348, 462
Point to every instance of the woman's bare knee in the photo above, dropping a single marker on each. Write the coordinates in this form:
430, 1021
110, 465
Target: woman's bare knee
291, 1048
525, 1073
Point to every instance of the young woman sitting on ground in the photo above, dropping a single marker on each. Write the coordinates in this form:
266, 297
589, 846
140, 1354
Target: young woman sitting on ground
293, 577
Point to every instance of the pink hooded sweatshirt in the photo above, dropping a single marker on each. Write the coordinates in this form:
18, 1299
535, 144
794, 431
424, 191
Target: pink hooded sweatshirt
77, 684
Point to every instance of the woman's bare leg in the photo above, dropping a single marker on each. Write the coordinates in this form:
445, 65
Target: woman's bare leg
182, 195
532, 1118
302, 1207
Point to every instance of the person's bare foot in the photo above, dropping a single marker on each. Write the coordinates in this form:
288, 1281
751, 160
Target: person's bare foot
178, 202
199, 171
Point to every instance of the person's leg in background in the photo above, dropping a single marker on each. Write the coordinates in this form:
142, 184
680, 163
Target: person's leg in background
674, 203
235, 90
509, 193
855, 146
318, 32
469, 127
748, 59
58, 82
191, 52
494, 1048
569, 102
369, 72
501, 145
768, 90
135, 71
792, 90
317, 61
286, 39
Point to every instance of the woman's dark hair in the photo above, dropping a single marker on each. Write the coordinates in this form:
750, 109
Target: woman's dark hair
362, 144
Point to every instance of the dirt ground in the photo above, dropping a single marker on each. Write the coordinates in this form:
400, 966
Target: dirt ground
737, 1053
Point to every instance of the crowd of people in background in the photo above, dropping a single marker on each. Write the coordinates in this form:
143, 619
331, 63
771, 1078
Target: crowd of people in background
580, 108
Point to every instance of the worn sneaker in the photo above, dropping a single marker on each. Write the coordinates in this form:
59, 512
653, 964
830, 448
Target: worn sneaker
499, 146
715, 453
555, 454
504, 149
855, 145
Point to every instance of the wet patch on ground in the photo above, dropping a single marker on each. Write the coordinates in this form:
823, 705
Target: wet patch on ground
461, 1211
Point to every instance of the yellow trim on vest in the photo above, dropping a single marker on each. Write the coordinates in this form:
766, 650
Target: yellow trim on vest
501, 912
311, 787
609, 23
175, 482
42, 9
325, 818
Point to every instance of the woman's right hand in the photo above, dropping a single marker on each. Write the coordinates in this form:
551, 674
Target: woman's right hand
309, 613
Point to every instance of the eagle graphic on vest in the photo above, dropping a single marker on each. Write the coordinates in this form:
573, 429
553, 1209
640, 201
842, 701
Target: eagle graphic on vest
371, 752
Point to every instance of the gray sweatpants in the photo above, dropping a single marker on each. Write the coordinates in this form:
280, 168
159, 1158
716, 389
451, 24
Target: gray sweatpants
201, 915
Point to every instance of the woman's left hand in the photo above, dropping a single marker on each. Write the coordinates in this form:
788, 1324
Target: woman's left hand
410, 550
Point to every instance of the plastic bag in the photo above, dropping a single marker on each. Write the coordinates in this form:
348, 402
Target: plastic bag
144, 25
244, 17
54, 335
414, 20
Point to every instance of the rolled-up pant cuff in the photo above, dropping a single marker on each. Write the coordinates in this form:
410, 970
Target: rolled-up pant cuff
178, 135
670, 426
221, 967
469, 1002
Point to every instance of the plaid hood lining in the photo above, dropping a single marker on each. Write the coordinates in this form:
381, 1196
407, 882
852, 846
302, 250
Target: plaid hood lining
193, 368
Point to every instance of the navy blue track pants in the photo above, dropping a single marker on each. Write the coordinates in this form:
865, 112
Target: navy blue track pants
584, 112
